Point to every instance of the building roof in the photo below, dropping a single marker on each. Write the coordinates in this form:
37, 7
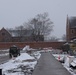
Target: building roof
72, 22
4, 30
17, 33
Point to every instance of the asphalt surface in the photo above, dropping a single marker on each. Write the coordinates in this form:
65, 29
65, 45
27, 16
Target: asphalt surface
3, 58
48, 65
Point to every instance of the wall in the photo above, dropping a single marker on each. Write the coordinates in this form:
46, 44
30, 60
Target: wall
7, 45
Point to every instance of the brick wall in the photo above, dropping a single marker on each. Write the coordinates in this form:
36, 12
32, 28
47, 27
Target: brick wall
7, 45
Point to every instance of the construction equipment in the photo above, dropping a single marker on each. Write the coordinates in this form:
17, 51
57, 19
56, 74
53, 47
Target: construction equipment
14, 51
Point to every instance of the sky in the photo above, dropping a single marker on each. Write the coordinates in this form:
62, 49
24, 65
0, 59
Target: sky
14, 13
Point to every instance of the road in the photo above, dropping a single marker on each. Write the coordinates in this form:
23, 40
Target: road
48, 65
3, 58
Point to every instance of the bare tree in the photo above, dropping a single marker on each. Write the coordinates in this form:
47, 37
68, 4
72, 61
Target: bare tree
41, 24
64, 37
19, 30
54, 39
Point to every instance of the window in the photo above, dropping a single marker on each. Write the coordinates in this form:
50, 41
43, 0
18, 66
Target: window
3, 34
72, 31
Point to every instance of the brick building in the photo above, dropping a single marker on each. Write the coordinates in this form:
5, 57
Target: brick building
5, 36
71, 28
19, 36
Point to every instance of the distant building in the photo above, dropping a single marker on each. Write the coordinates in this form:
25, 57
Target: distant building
5, 36
19, 36
71, 28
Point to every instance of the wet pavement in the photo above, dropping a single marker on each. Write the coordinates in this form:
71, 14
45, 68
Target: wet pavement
3, 58
48, 65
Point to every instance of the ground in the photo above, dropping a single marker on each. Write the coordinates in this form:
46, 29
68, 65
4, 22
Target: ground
45, 62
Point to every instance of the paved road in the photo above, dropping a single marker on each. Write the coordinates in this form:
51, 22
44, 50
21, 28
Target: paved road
3, 58
48, 65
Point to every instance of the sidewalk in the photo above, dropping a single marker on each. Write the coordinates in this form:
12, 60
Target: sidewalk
48, 65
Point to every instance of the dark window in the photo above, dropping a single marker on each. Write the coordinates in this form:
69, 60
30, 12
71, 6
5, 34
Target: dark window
72, 31
3, 34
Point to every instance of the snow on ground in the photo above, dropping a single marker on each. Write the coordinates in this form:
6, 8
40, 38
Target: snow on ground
72, 71
26, 48
15, 63
15, 66
4, 52
66, 57
22, 64
68, 60
25, 63
24, 56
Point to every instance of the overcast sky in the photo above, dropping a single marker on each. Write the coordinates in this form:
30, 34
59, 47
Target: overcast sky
15, 12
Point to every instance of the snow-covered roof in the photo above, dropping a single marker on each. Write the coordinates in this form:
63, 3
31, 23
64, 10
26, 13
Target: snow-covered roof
16, 33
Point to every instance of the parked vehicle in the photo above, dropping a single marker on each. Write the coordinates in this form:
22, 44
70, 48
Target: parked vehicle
14, 51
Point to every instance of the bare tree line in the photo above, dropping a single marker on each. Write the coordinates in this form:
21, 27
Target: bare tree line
40, 25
